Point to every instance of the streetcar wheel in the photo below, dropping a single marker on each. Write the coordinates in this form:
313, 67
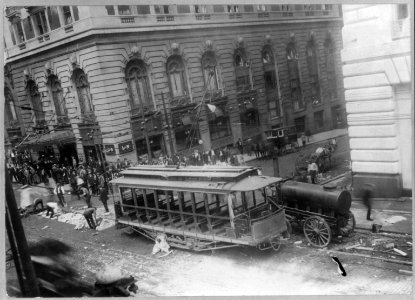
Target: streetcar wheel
317, 231
275, 243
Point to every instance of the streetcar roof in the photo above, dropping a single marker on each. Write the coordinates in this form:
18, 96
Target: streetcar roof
205, 173
195, 179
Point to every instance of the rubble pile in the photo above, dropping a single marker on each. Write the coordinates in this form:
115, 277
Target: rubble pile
75, 217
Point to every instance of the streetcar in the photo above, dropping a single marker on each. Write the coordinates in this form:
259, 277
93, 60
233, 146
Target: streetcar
284, 138
201, 208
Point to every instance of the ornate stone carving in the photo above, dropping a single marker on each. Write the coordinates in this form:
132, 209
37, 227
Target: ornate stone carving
48, 68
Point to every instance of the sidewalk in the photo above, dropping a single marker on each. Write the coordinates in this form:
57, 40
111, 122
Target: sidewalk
395, 216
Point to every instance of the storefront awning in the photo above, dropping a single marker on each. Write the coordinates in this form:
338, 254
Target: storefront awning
51, 138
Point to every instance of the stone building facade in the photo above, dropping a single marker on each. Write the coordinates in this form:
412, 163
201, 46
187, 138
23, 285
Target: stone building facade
379, 100
132, 81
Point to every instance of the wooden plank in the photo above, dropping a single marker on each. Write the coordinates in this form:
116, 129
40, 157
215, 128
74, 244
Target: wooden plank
409, 263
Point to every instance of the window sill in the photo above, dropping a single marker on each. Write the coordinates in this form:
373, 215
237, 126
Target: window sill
69, 28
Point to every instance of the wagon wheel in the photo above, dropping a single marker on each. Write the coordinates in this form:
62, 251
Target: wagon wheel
317, 231
275, 243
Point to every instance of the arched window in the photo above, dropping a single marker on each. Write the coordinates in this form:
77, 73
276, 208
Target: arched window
177, 76
138, 86
270, 78
313, 71
34, 97
82, 88
243, 71
330, 65
9, 104
294, 75
57, 96
210, 71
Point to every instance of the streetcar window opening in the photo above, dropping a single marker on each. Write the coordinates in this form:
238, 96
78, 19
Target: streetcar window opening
127, 199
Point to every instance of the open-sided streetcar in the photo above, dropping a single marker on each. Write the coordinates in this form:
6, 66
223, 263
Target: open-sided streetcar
201, 208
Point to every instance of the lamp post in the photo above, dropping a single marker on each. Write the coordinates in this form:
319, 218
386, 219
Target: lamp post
166, 119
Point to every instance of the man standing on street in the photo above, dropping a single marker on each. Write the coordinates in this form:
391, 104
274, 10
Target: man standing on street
367, 194
103, 191
59, 191
313, 170
86, 195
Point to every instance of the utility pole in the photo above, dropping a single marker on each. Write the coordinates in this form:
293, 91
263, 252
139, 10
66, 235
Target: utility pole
166, 119
18, 243
144, 129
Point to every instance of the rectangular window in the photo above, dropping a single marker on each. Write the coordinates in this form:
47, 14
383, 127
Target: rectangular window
161, 9
219, 128
143, 9
53, 17
41, 23
200, 9
402, 11
19, 32
233, 8
261, 8
12, 34
67, 15
275, 7
28, 28
127, 199
124, 10
110, 10
183, 9
318, 120
75, 13
248, 8
270, 81
218, 8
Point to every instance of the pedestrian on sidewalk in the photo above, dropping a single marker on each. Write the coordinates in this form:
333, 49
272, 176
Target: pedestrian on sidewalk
86, 195
367, 194
60, 192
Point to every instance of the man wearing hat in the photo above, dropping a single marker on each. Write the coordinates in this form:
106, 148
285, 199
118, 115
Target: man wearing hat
85, 194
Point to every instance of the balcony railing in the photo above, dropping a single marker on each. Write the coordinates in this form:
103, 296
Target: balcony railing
162, 20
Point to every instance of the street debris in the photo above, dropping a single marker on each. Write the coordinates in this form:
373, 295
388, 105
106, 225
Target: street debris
399, 251
45, 227
364, 248
297, 242
351, 247
394, 219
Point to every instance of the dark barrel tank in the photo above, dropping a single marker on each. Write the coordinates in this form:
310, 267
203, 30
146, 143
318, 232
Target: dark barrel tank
316, 196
